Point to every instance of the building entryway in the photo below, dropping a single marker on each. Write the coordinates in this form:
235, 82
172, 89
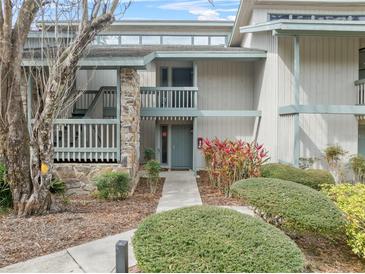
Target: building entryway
181, 146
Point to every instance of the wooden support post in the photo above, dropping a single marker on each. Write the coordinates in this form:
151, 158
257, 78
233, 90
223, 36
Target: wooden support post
119, 118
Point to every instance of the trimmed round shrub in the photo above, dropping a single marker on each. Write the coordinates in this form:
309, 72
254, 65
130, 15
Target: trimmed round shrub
113, 185
313, 178
211, 239
291, 206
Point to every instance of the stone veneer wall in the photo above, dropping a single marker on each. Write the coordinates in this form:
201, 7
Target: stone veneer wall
79, 177
130, 117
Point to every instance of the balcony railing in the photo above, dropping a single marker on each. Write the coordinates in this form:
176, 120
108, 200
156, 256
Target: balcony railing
360, 85
169, 97
86, 140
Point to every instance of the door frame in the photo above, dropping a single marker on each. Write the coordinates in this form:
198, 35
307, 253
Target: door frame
158, 141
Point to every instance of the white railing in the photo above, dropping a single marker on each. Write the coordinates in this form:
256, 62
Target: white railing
360, 85
86, 140
169, 97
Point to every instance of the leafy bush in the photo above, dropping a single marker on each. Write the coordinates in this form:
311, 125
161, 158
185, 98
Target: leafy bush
153, 168
149, 154
57, 186
211, 239
351, 200
230, 161
291, 206
357, 164
113, 185
6, 199
313, 178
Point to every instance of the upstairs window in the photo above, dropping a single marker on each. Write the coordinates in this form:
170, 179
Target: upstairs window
176, 40
130, 40
151, 40
362, 64
325, 17
217, 40
108, 40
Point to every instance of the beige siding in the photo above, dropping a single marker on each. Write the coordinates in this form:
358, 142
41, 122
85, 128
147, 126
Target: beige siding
148, 76
95, 79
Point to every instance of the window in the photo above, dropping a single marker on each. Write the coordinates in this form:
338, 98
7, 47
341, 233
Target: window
362, 64
164, 77
108, 40
151, 40
201, 40
130, 40
177, 40
182, 77
217, 40
329, 17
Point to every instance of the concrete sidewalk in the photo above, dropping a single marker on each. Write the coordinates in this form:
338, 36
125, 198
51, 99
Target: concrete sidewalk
95, 256
180, 190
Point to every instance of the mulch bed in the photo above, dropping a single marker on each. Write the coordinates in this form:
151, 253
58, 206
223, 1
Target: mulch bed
84, 219
211, 195
322, 255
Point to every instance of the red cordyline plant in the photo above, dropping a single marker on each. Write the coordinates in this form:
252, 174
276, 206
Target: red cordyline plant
230, 161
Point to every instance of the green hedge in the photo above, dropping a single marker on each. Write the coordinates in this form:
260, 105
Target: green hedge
211, 239
294, 207
313, 178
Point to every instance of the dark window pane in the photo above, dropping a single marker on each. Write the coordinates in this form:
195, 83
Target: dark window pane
182, 77
302, 16
164, 77
278, 16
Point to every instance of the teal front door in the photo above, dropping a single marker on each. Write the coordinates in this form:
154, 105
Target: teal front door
182, 146
362, 140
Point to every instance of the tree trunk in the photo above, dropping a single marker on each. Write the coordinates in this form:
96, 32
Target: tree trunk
29, 195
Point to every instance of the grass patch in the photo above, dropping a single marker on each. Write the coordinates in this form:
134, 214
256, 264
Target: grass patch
291, 206
211, 239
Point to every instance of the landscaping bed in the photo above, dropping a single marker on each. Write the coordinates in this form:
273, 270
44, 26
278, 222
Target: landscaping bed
211, 195
84, 219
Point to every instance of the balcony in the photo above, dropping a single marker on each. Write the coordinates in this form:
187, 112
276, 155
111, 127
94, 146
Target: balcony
179, 102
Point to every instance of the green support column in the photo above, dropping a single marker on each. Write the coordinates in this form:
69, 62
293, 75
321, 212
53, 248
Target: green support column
296, 93
119, 103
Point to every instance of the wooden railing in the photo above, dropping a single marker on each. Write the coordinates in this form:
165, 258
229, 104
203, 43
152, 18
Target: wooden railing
360, 85
169, 97
86, 140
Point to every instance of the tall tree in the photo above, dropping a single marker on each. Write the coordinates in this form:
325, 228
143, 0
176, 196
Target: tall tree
28, 157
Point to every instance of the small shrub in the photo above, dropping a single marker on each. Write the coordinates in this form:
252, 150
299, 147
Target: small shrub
230, 161
291, 206
313, 178
306, 163
153, 168
6, 199
211, 239
357, 164
333, 156
351, 200
149, 154
57, 186
113, 185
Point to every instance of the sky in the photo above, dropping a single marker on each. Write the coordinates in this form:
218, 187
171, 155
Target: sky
182, 10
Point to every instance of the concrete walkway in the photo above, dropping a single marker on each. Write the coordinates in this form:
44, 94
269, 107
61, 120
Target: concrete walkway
95, 256
180, 190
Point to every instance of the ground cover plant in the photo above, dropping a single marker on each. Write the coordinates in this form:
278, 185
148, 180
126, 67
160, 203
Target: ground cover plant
313, 178
293, 207
229, 161
351, 200
113, 185
212, 239
5, 192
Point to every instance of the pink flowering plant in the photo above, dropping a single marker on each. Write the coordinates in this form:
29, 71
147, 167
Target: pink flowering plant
230, 161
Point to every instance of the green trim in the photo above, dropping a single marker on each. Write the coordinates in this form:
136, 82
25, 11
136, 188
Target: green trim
141, 62
359, 82
119, 115
86, 150
296, 94
85, 121
308, 27
322, 109
181, 112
